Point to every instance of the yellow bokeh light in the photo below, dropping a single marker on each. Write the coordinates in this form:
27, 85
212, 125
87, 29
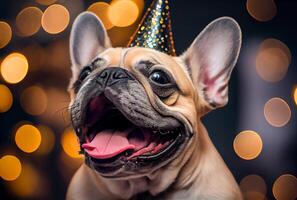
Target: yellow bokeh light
28, 21
27, 183
248, 145
47, 140
28, 138
277, 112
14, 68
253, 187
55, 19
46, 2
70, 144
123, 13
273, 60
263, 10
6, 99
101, 10
285, 187
10, 167
295, 94
34, 100
6, 34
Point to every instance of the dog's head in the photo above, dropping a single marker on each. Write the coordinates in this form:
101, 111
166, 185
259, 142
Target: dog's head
136, 109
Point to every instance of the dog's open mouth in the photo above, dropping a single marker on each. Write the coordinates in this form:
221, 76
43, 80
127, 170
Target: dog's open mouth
109, 135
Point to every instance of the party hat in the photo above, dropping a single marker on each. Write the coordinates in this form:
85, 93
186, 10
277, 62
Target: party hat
155, 30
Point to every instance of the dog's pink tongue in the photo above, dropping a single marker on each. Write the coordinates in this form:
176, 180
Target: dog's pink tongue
110, 143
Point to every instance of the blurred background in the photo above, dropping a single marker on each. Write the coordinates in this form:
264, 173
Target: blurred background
256, 133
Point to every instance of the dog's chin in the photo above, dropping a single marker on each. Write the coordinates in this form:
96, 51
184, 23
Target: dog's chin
116, 148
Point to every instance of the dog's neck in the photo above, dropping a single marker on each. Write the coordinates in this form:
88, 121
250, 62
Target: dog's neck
203, 156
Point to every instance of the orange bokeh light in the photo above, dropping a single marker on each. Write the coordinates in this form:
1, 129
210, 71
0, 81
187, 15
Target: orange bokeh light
28, 21
56, 113
277, 112
295, 94
35, 55
248, 145
273, 60
253, 187
6, 99
34, 100
28, 138
70, 144
55, 19
47, 140
14, 68
10, 167
263, 10
6, 34
285, 187
101, 10
123, 13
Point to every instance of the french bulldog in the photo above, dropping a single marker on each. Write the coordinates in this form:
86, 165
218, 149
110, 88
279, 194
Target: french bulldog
137, 114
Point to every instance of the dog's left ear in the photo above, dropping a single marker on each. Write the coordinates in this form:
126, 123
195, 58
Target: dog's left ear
88, 38
211, 58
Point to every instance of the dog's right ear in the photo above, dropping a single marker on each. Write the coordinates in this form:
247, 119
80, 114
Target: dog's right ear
88, 38
211, 59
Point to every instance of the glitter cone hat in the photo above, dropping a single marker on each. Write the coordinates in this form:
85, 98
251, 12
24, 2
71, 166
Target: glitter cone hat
155, 30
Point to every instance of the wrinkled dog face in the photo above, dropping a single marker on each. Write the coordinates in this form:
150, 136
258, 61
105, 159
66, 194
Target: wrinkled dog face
135, 109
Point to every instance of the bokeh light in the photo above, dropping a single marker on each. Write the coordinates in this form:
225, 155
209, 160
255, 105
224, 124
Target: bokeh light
46, 2
263, 10
55, 19
56, 113
101, 10
28, 184
35, 55
10, 167
139, 3
277, 112
6, 99
123, 13
6, 34
275, 43
248, 145
285, 187
14, 68
28, 138
58, 57
295, 94
47, 140
28, 21
273, 60
34, 100
253, 187
70, 144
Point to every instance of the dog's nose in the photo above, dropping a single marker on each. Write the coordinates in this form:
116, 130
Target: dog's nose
111, 75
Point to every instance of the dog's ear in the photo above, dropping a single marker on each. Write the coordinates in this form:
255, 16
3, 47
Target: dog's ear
211, 58
88, 38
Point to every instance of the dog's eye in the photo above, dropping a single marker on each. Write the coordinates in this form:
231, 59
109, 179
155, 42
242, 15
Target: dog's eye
159, 77
85, 73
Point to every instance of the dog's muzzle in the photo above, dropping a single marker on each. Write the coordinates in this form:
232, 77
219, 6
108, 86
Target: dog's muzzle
118, 126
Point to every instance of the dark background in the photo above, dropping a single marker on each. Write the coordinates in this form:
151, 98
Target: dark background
189, 18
